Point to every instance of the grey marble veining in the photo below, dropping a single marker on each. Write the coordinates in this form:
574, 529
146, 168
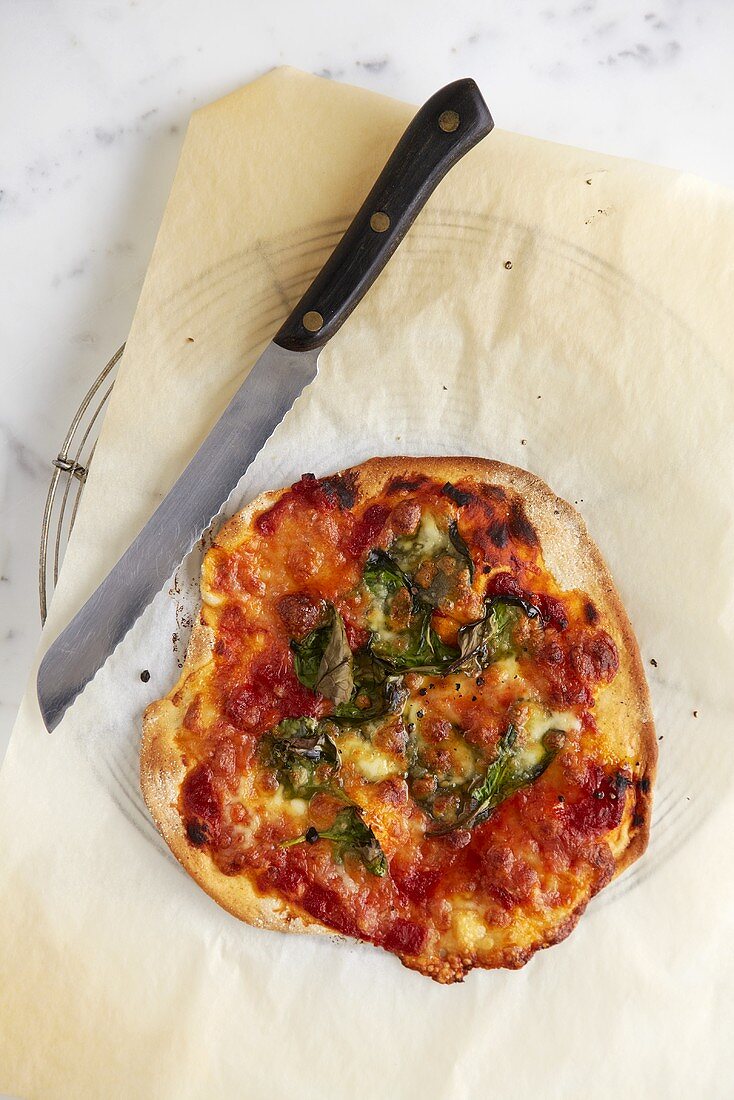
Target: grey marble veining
95, 100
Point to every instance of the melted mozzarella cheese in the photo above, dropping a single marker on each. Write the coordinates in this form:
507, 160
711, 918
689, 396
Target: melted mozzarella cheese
377, 622
428, 542
540, 720
505, 670
279, 803
468, 926
372, 763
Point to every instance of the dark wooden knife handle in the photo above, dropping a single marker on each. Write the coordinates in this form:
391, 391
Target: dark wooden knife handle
445, 128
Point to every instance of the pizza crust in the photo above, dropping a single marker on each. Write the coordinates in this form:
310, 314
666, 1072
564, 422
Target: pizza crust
575, 562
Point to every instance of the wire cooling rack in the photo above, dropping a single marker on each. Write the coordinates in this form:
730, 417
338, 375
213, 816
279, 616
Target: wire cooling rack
71, 467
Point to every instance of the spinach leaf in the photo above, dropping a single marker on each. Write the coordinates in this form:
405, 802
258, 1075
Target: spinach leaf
491, 637
360, 686
376, 692
383, 576
295, 748
505, 775
436, 561
349, 834
461, 548
323, 660
308, 654
440, 776
420, 649
334, 678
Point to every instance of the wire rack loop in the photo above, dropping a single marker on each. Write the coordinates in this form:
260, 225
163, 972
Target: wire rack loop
70, 469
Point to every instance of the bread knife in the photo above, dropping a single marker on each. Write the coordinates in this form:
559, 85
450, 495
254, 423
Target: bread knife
444, 129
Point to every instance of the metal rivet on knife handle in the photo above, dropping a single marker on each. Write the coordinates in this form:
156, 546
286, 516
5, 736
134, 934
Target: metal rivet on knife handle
312, 321
448, 121
380, 221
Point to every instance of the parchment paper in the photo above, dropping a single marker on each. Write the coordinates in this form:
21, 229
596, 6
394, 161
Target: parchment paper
553, 308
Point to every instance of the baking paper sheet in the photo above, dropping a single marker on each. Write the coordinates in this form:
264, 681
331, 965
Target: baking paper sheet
552, 308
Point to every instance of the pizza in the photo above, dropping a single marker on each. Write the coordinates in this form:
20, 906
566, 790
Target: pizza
412, 712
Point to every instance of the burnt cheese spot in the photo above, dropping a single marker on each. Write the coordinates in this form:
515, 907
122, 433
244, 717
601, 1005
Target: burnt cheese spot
405, 485
498, 534
644, 785
520, 526
197, 833
458, 496
590, 613
638, 820
494, 493
342, 488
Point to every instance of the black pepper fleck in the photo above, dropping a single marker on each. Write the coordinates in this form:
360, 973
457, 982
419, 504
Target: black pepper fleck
422, 691
480, 681
653, 662
311, 835
695, 714
420, 714
599, 795
561, 798
508, 265
411, 727
145, 676
473, 698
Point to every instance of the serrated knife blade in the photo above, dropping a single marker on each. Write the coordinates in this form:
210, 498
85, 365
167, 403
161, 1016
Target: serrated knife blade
444, 129
258, 406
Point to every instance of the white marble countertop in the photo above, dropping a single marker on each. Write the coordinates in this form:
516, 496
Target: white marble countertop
95, 100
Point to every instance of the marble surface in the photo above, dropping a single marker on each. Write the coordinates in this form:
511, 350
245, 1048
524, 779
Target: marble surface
95, 100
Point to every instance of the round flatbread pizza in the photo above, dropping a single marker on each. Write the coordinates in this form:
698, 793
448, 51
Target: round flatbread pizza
412, 712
